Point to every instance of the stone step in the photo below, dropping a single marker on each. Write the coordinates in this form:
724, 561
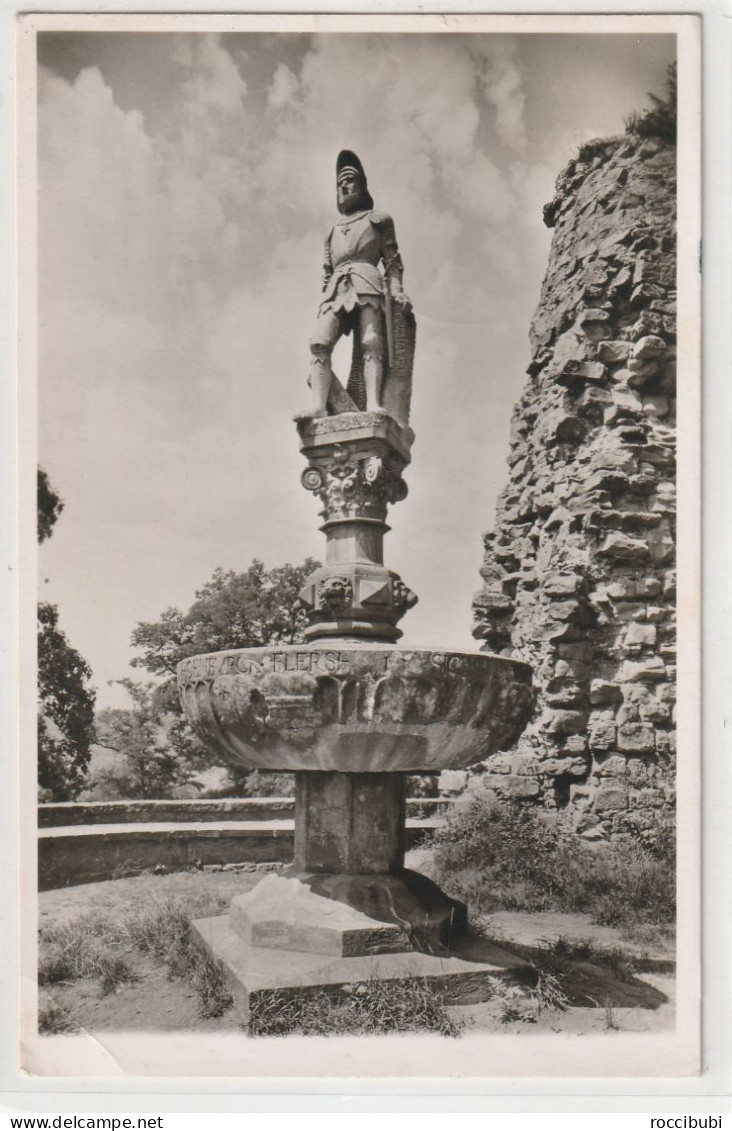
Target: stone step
257, 973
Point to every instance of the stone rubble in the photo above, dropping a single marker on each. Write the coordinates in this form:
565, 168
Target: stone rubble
578, 574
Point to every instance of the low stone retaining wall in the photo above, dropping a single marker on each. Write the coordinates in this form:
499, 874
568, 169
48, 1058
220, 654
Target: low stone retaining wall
168, 812
164, 812
93, 841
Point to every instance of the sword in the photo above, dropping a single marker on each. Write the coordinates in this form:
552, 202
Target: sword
389, 323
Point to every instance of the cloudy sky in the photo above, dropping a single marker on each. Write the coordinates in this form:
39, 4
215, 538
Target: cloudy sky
186, 183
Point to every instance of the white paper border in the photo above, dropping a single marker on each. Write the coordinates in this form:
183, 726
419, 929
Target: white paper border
689, 486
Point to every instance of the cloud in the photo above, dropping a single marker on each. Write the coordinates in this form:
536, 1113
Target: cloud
502, 87
180, 271
284, 89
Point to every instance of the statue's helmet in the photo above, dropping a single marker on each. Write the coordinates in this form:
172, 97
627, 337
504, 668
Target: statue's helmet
348, 162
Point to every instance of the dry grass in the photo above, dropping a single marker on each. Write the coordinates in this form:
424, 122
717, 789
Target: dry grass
165, 932
81, 950
370, 1007
104, 949
53, 1018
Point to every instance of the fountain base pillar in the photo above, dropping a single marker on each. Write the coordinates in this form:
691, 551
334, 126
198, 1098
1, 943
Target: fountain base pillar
352, 823
346, 911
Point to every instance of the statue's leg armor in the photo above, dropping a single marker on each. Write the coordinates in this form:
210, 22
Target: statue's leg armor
371, 330
327, 332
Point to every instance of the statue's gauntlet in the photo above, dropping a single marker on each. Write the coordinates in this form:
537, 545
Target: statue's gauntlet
394, 278
396, 288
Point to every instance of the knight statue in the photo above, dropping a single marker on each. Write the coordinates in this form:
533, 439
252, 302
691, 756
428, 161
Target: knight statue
362, 295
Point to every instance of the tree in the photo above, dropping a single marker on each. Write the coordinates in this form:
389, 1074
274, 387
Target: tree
66, 711
66, 702
50, 506
157, 756
232, 610
160, 751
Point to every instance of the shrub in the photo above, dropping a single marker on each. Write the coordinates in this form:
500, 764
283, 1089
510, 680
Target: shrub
506, 855
499, 855
259, 783
660, 120
623, 884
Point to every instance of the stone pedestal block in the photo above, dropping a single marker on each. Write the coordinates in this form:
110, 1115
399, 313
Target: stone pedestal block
284, 913
432, 920
256, 974
349, 914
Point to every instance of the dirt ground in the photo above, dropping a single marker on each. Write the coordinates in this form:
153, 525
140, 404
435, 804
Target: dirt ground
600, 1001
119, 897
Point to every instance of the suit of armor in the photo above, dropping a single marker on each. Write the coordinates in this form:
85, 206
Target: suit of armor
354, 288
353, 249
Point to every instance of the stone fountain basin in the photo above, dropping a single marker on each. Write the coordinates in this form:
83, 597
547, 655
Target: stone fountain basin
355, 708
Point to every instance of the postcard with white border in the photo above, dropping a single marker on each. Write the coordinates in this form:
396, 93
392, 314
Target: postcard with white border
359, 468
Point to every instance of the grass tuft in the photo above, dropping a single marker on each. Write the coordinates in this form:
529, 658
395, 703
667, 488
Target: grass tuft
81, 949
164, 931
52, 1018
610, 1022
548, 992
559, 953
94, 946
369, 1007
512, 1002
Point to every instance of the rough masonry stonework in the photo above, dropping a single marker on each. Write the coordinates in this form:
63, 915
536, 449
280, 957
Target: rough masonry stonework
578, 574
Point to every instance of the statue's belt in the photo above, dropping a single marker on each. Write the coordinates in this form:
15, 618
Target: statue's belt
361, 269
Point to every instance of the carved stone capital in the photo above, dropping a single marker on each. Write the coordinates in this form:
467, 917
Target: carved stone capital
351, 484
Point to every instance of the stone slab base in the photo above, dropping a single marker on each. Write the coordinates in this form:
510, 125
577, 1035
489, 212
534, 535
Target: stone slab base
254, 973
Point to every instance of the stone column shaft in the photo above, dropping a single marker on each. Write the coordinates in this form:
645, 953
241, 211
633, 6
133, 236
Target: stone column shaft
349, 823
355, 541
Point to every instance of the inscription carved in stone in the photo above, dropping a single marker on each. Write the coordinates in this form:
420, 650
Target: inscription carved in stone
319, 661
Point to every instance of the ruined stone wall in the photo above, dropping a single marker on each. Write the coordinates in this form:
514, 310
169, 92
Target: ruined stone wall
579, 571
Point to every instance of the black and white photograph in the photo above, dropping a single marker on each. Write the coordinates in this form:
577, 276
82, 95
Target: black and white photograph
366, 545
